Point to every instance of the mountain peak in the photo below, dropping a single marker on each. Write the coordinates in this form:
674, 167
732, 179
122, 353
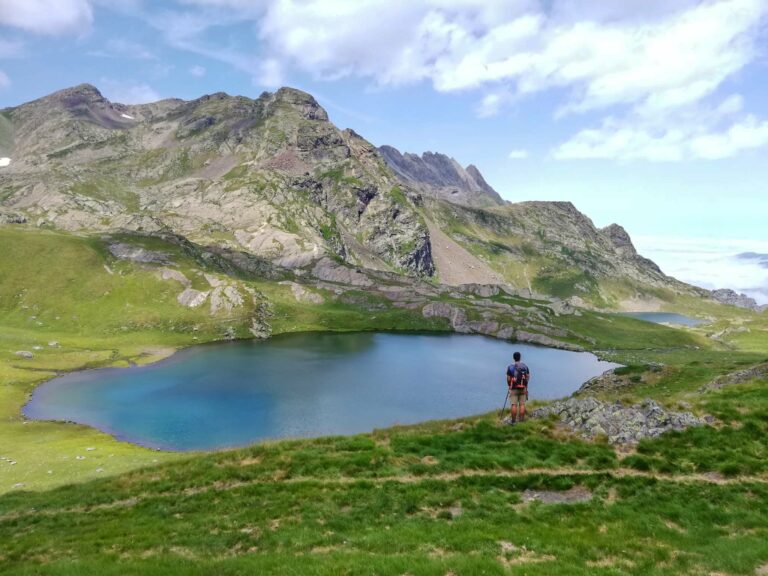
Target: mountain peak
302, 101
442, 176
71, 97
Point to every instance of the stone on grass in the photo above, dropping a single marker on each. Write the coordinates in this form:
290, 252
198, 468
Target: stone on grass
621, 424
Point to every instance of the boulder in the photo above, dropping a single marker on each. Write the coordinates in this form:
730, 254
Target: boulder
24, 354
137, 254
541, 340
621, 424
170, 274
301, 294
192, 298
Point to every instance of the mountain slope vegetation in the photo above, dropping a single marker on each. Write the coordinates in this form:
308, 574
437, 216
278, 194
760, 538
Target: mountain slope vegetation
274, 178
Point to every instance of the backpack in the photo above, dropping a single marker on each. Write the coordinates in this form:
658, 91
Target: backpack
522, 375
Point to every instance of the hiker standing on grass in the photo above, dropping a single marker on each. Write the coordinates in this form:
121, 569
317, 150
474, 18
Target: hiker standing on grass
517, 381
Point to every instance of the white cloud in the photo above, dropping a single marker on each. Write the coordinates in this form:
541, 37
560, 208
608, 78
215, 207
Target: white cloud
666, 62
696, 133
518, 154
50, 17
749, 133
653, 64
710, 263
128, 92
4, 80
198, 71
271, 74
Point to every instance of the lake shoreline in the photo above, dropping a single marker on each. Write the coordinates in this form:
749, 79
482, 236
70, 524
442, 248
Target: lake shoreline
179, 356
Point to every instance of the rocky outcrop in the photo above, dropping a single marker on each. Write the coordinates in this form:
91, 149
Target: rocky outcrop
10, 217
620, 424
489, 325
301, 294
542, 340
170, 274
261, 326
739, 377
610, 380
192, 298
441, 176
733, 298
137, 254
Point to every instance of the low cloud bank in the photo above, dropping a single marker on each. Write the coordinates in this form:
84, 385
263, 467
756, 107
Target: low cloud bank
741, 265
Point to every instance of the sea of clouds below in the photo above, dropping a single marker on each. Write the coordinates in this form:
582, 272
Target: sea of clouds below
741, 265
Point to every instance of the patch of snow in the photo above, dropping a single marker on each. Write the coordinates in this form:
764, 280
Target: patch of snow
127, 116
4, 162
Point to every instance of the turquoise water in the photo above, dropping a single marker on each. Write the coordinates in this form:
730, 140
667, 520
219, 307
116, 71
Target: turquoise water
303, 385
666, 318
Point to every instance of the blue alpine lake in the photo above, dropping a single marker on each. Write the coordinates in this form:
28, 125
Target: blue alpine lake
303, 385
666, 318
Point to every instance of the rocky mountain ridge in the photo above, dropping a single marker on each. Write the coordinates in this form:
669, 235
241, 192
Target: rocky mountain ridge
733, 298
271, 179
271, 176
442, 177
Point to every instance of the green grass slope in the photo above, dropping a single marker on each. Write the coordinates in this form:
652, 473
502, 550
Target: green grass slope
443, 497
433, 499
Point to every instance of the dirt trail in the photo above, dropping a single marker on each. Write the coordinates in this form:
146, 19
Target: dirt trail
455, 264
220, 486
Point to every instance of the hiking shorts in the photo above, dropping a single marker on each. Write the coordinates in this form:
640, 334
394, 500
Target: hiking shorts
517, 395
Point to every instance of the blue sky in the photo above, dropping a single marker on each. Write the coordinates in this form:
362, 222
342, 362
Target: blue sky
652, 114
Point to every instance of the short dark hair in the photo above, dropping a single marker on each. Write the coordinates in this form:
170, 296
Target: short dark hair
516, 356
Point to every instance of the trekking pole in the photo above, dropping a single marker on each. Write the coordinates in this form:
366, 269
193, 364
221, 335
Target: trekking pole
501, 414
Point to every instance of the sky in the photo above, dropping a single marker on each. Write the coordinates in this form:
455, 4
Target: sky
649, 113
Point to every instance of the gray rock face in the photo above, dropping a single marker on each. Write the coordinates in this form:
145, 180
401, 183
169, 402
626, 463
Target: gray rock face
192, 298
442, 177
732, 298
542, 340
8, 217
137, 254
621, 424
456, 315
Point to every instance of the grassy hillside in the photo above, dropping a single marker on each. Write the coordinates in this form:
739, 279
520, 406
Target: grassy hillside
461, 497
551, 248
465, 497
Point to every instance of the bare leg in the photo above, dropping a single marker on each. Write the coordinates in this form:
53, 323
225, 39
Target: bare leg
513, 411
522, 409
